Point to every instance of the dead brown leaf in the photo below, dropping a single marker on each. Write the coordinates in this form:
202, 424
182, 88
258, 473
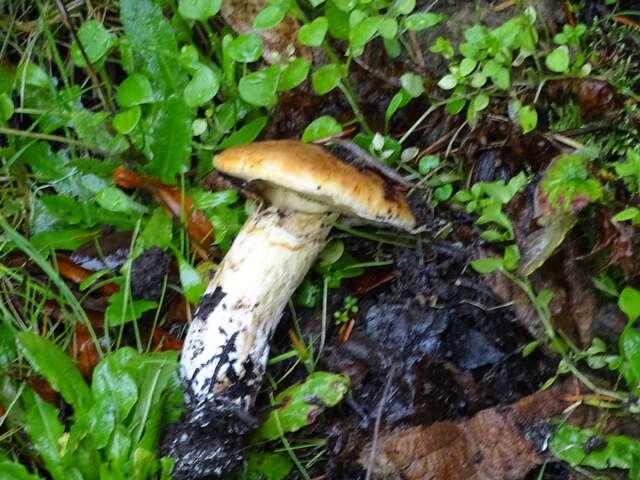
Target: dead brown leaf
493, 444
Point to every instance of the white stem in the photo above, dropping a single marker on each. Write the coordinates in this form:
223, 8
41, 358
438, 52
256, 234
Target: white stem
226, 349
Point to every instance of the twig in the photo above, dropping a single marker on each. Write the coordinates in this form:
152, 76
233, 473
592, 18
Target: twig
48, 137
94, 77
503, 6
376, 428
372, 163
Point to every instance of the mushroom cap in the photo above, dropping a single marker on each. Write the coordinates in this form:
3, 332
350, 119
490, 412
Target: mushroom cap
315, 174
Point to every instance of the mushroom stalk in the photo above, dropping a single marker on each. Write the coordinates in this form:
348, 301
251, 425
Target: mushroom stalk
227, 346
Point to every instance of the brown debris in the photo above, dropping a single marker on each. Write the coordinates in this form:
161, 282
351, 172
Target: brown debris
83, 350
597, 98
494, 443
171, 198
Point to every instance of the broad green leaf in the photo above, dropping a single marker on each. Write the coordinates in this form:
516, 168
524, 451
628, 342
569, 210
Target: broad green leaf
202, 87
294, 74
247, 134
321, 127
259, 88
412, 83
118, 312
630, 213
192, 284
511, 257
422, 20
326, 78
477, 105
124, 122
199, 9
245, 48
33, 75
295, 410
96, 41
467, 65
399, 100
629, 303
15, 471
338, 21
153, 43
558, 59
487, 265
135, 90
171, 140
45, 430
269, 17
158, 231
112, 383
57, 368
312, 34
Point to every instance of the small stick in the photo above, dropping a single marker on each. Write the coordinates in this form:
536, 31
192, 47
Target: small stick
368, 161
503, 5
94, 77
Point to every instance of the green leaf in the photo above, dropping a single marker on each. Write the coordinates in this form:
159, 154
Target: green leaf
570, 444
476, 105
630, 168
422, 20
467, 65
57, 368
135, 90
124, 122
6, 107
14, 471
95, 40
199, 9
192, 284
45, 430
118, 313
326, 78
68, 239
113, 384
428, 163
321, 127
487, 265
245, 48
412, 83
630, 213
338, 21
629, 303
158, 231
267, 466
270, 16
568, 184
511, 257
259, 88
312, 34
247, 134
115, 200
294, 74
31, 74
399, 100
388, 28
153, 43
202, 87
448, 82
300, 404
362, 33
528, 117
558, 60
171, 140
630, 353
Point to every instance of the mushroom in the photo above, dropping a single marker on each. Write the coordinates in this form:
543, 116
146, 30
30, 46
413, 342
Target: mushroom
225, 353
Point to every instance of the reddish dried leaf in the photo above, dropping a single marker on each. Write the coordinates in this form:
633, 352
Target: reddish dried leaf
43, 389
84, 351
198, 227
164, 340
77, 274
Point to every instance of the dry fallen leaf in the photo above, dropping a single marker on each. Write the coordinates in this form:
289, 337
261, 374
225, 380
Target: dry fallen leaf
493, 444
